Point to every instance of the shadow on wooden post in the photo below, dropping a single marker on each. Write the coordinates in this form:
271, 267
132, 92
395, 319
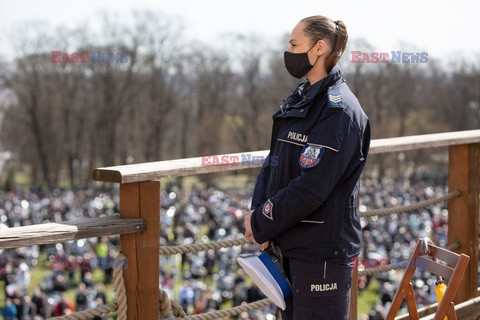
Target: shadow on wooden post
141, 200
464, 175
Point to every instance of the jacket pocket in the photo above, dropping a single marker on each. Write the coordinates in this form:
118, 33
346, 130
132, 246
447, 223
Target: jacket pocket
318, 216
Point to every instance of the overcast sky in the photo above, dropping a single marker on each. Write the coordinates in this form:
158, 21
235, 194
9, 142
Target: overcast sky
442, 28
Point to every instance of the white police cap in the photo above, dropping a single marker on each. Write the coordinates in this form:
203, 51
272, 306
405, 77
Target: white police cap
267, 276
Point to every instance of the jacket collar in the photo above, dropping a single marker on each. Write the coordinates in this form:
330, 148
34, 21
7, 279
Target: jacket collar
298, 103
332, 78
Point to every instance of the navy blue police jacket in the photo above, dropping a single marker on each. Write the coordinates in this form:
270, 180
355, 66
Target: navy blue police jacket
305, 195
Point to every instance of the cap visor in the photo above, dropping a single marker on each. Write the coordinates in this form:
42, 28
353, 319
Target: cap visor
263, 279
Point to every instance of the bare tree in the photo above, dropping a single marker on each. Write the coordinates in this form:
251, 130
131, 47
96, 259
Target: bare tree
170, 99
112, 86
211, 85
160, 40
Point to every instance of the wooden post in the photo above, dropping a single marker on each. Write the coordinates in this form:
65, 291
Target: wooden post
142, 200
464, 175
352, 313
354, 294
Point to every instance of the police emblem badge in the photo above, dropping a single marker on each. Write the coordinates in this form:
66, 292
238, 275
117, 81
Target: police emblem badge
267, 209
311, 156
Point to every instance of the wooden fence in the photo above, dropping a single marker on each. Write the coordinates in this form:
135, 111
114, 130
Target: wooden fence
140, 198
139, 220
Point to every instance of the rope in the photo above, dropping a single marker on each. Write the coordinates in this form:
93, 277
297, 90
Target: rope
454, 246
197, 247
120, 306
167, 305
386, 268
215, 245
229, 312
89, 314
414, 207
401, 265
120, 286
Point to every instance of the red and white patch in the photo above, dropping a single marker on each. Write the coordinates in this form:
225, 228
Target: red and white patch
311, 156
268, 209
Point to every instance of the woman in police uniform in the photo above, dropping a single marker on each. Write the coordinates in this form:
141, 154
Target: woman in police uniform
305, 196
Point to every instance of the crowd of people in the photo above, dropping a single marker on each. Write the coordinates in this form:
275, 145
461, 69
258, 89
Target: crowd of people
393, 238
200, 282
36, 301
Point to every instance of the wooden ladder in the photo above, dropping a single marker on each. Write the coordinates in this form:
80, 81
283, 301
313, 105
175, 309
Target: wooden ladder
425, 256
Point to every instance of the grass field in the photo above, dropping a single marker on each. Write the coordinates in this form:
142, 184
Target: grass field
368, 297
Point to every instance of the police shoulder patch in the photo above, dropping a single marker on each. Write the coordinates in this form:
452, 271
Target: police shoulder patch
268, 209
335, 99
311, 156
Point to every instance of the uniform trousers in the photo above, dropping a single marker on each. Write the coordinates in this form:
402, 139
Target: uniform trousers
321, 290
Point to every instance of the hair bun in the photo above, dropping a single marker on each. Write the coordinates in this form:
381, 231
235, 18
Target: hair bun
336, 25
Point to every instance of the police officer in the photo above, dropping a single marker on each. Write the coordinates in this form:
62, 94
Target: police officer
305, 196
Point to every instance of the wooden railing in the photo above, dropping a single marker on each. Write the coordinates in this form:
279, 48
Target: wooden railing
140, 198
139, 221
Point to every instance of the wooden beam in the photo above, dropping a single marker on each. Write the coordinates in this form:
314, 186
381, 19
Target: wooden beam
444, 271
452, 287
65, 231
179, 167
422, 312
142, 200
467, 310
411, 303
463, 309
463, 222
424, 141
236, 161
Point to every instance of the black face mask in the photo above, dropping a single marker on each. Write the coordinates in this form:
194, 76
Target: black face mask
297, 64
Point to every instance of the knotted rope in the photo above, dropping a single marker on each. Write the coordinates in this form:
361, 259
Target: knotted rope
235, 311
120, 264
167, 305
403, 209
215, 245
89, 314
401, 265
386, 268
231, 312
198, 247
120, 306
